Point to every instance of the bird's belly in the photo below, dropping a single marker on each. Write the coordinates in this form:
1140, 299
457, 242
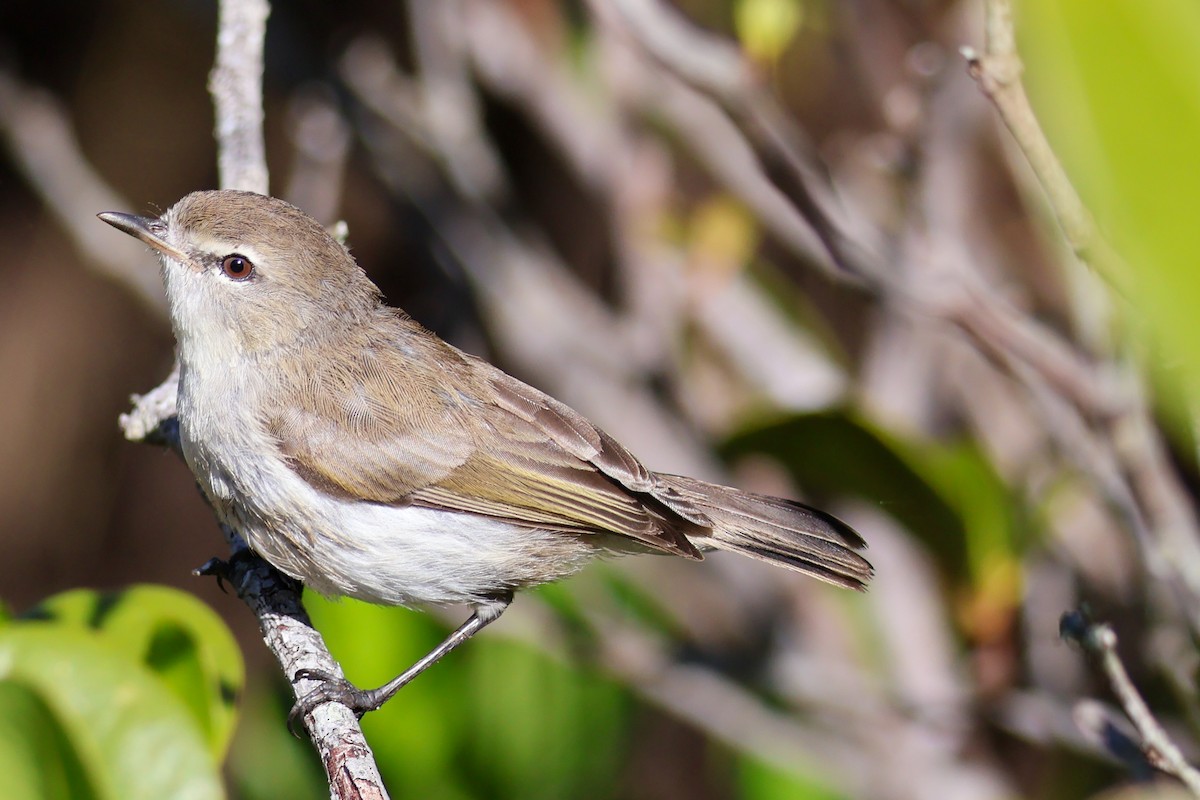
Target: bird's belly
402, 555
389, 554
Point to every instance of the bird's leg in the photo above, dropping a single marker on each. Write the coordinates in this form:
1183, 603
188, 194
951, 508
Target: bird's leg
339, 690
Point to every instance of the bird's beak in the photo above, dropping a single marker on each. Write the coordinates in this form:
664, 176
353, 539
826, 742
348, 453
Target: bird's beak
149, 229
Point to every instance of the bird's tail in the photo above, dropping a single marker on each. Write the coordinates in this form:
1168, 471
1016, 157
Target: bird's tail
771, 529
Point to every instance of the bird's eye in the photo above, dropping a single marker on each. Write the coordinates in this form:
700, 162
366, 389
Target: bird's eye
237, 267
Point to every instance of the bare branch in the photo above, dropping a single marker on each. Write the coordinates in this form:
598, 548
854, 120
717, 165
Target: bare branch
236, 87
1099, 640
322, 141
706, 84
275, 600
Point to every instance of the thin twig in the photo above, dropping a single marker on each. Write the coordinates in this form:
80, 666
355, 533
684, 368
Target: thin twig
236, 87
1100, 640
998, 72
322, 145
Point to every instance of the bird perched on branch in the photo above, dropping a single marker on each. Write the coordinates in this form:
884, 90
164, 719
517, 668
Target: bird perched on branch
361, 454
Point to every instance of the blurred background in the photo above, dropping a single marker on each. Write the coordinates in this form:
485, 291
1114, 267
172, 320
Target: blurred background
786, 244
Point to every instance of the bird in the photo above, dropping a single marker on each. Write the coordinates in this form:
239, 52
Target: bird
361, 454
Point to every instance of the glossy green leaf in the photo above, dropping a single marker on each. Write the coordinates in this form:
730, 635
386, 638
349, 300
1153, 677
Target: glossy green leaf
176, 636
101, 725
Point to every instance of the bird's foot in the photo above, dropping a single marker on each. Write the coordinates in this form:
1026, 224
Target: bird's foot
226, 571
332, 689
217, 568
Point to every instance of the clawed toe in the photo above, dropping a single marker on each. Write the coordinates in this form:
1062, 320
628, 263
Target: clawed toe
332, 689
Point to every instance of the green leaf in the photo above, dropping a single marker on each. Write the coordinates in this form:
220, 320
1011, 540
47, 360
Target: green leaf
759, 781
173, 634
101, 725
542, 729
37, 759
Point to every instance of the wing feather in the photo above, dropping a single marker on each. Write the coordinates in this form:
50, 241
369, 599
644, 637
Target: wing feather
413, 420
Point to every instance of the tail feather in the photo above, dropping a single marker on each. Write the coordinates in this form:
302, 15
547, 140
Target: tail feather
771, 529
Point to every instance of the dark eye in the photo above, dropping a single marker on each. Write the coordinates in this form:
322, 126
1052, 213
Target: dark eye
237, 267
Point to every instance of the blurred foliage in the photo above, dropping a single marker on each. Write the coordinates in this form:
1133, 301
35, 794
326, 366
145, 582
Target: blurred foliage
766, 27
131, 694
759, 781
947, 493
492, 720
121, 695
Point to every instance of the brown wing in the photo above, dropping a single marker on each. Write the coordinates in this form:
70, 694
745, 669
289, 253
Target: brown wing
369, 430
483, 443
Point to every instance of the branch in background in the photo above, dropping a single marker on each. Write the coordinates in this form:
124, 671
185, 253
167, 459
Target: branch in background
998, 72
742, 137
708, 82
236, 87
1099, 640
38, 135
553, 327
1171, 543
1112, 412
322, 144
729, 307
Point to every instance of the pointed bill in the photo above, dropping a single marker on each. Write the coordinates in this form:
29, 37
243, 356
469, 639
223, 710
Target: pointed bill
149, 229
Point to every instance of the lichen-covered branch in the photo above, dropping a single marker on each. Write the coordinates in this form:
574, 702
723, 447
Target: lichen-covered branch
236, 87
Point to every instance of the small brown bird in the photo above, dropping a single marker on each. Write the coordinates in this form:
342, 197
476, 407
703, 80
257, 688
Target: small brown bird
361, 454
